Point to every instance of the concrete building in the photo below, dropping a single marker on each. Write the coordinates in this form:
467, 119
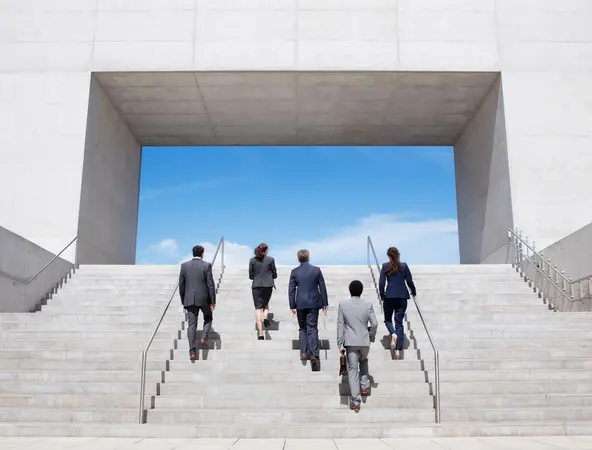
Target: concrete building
85, 83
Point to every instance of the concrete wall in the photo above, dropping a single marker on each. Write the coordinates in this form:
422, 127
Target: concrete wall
483, 184
110, 186
23, 259
49, 48
573, 253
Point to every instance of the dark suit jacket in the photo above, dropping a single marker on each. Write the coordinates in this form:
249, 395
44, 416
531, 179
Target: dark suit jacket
307, 288
262, 271
196, 283
395, 284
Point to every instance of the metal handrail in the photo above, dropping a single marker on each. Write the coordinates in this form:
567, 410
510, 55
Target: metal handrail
525, 252
34, 277
156, 328
370, 248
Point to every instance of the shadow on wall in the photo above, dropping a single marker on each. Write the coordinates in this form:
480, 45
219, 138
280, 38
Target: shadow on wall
573, 253
20, 260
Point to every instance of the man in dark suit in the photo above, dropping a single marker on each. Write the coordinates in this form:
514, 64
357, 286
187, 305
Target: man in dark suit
308, 294
198, 293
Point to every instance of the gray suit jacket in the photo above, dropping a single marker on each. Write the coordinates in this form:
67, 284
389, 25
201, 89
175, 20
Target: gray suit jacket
196, 283
262, 272
352, 323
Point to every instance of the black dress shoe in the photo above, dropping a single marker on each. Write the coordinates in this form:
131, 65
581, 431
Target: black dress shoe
315, 364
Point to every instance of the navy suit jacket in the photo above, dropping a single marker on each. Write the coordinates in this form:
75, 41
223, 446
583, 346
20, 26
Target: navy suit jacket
307, 288
396, 283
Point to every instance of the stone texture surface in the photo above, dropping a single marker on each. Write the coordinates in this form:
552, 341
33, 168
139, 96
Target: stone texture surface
73, 369
289, 108
543, 51
530, 443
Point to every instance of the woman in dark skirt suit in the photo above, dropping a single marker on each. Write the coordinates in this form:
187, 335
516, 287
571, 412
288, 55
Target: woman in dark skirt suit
262, 271
394, 285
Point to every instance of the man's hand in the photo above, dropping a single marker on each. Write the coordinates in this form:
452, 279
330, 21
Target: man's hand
294, 313
325, 309
212, 307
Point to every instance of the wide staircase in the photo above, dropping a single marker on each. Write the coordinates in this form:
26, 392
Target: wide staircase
508, 365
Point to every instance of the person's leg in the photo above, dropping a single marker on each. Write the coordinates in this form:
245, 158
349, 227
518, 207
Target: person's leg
301, 315
312, 330
353, 376
401, 309
192, 313
388, 307
267, 298
208, 318
364, 375
258, 305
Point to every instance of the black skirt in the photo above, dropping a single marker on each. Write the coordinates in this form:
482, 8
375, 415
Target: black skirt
261, 296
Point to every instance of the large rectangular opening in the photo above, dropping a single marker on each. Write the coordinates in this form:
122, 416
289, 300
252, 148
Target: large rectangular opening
129, 111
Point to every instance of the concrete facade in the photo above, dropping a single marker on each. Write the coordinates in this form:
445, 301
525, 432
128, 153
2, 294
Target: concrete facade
573, 253
50, 50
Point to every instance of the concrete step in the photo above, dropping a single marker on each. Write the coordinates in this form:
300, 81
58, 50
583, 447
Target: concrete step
536, 414
78, 355
255, 391
318, 430
264, 376
164, 402
82, 375
283, 417
516, 401
315, 431
154, 363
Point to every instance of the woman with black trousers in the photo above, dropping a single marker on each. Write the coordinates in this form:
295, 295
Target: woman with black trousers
397, 277
262, 271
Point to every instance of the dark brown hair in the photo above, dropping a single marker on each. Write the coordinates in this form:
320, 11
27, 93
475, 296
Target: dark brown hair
394, 264
198, 251
260, 250
303, 256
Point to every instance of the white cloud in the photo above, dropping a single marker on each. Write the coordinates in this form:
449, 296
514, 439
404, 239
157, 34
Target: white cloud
234, 254
420, 242
167, 248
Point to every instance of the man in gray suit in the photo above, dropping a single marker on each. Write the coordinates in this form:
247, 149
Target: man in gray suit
198, 293
353, 339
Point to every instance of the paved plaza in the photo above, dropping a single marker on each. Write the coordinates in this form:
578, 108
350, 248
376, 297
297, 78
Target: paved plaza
494, 443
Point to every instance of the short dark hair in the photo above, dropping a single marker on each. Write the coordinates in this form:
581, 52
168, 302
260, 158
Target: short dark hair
356, 288
198, 251
303, 256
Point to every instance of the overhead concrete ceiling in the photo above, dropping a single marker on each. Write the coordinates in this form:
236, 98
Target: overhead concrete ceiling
296, 108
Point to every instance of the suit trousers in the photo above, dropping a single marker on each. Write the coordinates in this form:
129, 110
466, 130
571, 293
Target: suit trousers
357, 371
192, 315
398, 306
308, 319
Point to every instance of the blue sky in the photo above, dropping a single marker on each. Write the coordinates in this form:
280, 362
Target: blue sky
326, 199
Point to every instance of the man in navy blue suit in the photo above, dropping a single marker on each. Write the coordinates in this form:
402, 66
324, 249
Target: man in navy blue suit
308, 294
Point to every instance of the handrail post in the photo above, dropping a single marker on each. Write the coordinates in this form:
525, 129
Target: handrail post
437, 380
142, 387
